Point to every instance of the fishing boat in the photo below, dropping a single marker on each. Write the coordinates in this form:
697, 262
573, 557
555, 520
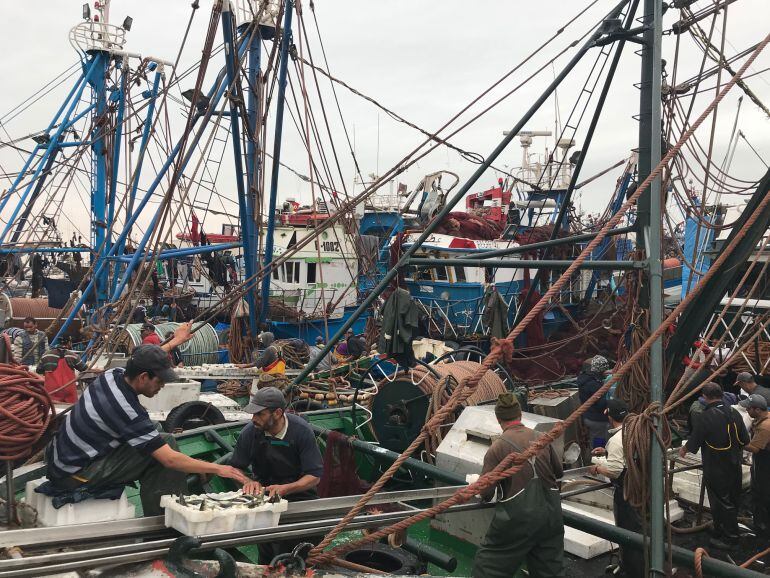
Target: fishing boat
572, 289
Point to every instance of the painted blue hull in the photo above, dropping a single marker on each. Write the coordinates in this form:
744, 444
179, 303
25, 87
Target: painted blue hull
308, 330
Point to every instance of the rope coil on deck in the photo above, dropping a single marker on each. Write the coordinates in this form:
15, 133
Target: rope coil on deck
439, 388
26, 411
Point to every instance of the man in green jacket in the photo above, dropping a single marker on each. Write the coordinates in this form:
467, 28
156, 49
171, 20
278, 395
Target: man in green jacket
528, 525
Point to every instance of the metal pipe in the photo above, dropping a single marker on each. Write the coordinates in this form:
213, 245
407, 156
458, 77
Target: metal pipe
99, 192
650, 146
234, 97
173, 253
456, 198
525, 264
10, 494
411, 464
428, 553
213, 436
711, 566
543, 244
253, 166
122, 554
286, 40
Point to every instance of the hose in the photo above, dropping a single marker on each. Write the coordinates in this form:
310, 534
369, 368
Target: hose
26, 409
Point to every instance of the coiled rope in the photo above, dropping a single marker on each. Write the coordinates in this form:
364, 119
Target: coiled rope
26, 409
439, 388
504, 348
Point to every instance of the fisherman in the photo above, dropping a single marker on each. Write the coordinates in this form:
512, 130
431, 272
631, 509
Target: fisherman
269, 360
30, 345
748, 383
589, 381
356, 344
719, 433
148, 335
174, 354
325, 363
175, 313
58, 366
527, 524
614, 467
108, 441
759, 445
139, 313
283, 455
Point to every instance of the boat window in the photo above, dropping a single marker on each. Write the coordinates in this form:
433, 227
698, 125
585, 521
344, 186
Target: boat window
311, 272
275, 273
460, 274
441, 274
292, 272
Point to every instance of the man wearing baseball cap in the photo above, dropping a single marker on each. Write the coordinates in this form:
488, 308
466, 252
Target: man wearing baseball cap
108, 439
281, 450
614, 467
756, 405
748, 383
720, 435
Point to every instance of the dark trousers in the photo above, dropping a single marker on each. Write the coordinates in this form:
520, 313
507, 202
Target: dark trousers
760, 493
723, 486
125, 465
528, 528
628, 518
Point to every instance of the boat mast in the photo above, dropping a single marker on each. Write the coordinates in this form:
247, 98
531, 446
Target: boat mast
286, 41
648, 223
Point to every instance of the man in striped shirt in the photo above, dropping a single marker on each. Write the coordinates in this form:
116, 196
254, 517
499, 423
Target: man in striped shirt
108, 438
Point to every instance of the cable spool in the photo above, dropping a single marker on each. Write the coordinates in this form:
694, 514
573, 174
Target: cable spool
202, 348
405, 401
13, 311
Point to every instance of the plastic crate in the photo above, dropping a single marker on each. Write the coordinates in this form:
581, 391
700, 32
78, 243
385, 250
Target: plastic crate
87, 512
172, 395
191, 521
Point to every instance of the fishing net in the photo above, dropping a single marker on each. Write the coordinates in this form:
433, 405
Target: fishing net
339, 476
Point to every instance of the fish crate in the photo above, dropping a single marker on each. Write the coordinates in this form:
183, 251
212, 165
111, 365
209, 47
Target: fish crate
86, 512
215, 513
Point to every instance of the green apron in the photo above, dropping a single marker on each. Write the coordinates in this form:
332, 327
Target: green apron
528, 527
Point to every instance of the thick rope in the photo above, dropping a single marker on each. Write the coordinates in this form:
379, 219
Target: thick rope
513, 462
26, 411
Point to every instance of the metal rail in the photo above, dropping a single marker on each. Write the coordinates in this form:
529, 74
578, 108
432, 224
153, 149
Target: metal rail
129, 553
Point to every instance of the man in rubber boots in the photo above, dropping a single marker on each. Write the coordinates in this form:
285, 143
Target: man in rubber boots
283, 455
527, 525
719, 433
108, 439
759, 446
626, 516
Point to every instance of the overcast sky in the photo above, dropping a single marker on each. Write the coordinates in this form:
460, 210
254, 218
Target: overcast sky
423, 60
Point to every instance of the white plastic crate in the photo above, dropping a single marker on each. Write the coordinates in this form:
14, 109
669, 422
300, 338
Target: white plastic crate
87, 512
172, 395
191, 521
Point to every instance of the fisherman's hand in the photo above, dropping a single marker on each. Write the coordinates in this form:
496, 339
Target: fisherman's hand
252, 487
279, 489
599, 452
183, 333
233, 474
682, 451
